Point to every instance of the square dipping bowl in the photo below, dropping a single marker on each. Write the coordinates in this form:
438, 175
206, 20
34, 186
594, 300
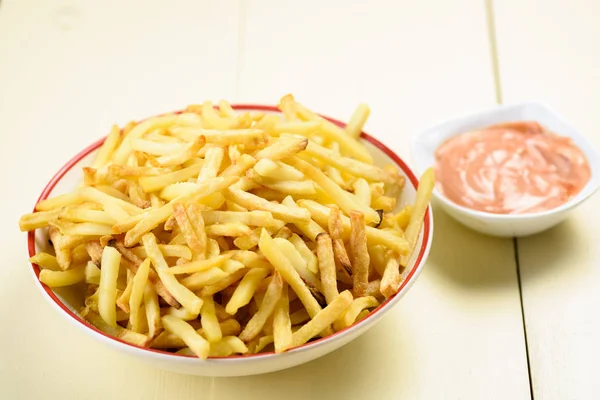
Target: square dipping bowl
425, 143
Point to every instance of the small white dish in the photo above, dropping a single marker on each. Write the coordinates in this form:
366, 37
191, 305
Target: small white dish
68, 300
425, 143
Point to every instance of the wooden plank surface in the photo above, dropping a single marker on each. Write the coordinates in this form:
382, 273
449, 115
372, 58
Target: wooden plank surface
70, 69
548, 52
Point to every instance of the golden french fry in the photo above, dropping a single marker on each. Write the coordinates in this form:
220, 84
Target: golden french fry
392, 240
181, 293
137, 294
327, 267
107, 291
257, 322
352, 313
424, 191
306, 253
357, 121
323, 319
46, 261
192, 339
117, 331
278, 170
282, 326
245, 289
62, 278
360, 255
210, 324
252, 202
283, 265
108, 147
340, 196
336, 231
152, 311
390, 281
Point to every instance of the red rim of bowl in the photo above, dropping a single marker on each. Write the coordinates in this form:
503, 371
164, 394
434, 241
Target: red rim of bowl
247, 107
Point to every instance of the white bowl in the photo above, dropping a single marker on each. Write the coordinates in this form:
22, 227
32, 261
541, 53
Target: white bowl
425, 144
67, 300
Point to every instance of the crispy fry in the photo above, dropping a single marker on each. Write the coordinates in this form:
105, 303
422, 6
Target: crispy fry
46, 261
183, 295
107, 291
390, 281
424, 191
192, 339
327, 267
210, 324
245, 290
272, 296
340, 196
336, 232
323, 319
62, 278
282, 326
360, 255
252, 202
271, 251
352, 313
357, 121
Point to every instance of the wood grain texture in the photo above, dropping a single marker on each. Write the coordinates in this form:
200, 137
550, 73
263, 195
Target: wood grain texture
547, 52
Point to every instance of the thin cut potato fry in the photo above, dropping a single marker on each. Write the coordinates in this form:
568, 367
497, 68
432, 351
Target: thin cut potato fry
229, 229
357, 121
183, 295
360, 255
192, 339
199, 265
45, 260
223, 283
310, 229
335, 133
212, 163
108, 147
281, 263
252, 202
351, 314
245, 290
152, 311
327, 267
300, 265
277, 170
336, 232
342, 198
283, 148
137, 294
323, 319
196, 242
354, 167
257, 322
62, 278
424, 191
395, 242
117, 331
390, 281
282, 326
210, 324
203, 278
362, 191
107, 291
306, 253
187, 153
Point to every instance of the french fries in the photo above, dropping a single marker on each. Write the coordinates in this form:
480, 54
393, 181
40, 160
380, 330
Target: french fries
212, 232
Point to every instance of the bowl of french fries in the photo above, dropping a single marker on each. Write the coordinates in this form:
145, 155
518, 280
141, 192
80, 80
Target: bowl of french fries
231, 240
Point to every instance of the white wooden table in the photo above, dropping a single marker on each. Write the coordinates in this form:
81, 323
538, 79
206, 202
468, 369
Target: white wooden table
69, 69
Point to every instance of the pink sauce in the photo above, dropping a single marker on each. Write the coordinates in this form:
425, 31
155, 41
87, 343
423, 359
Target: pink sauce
512, 168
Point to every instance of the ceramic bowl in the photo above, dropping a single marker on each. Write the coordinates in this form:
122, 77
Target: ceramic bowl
67, 301
425, 143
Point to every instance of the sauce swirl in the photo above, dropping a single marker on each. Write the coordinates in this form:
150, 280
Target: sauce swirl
512, 168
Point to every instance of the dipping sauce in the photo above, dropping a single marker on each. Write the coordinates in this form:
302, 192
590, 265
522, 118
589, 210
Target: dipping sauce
511, 168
